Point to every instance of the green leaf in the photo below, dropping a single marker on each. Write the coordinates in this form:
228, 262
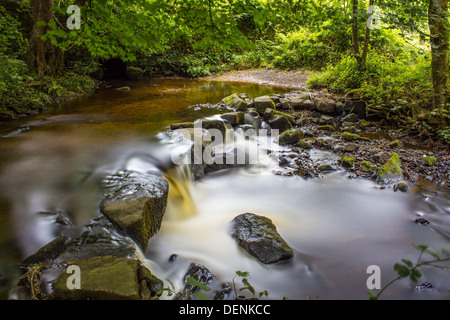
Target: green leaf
415, 275
432, 252
421, 247
201, 295
242, 273
372, 295
446, 252
193, 282
402, 270
248, 286
408, 263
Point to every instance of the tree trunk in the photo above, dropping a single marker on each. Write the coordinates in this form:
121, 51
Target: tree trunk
42, 54
439, 38
366, 41
355, 41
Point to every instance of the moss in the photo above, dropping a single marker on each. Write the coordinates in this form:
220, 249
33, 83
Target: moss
290, 118
391, 168
290, 136
429, 160
396, 144
367, 166
363, 124
235, 102
349, 129
325, 167
349, 136
304, 144
326, 127
347, 161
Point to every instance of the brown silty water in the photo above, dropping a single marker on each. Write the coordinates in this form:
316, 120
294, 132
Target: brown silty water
337, 227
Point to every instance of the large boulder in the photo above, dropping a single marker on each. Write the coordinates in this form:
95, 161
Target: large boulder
262, 103
136, 202
235, 102
259, 237
325, 105
108, 278
298, 102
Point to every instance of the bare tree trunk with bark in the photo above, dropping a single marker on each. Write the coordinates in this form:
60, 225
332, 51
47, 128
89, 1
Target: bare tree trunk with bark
41, 54
439, 38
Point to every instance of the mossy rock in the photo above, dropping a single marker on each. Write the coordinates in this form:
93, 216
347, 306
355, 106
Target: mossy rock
396, 144
347, 162
290, 136
367, 166
290, 118
391, 169
262, 103
347, 136
362, 124
304, 144
234, 101
349, 129
106, 278
325, 167
429, 160
326, 127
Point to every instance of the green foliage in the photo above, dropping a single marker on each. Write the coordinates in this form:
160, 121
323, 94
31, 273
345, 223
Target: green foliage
12, 41
408, 269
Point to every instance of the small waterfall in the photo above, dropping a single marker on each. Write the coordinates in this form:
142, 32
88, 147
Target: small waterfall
180, 204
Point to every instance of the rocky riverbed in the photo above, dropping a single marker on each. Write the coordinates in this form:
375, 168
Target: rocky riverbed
109, 251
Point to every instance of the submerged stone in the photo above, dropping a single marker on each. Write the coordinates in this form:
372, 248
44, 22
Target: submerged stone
259, 237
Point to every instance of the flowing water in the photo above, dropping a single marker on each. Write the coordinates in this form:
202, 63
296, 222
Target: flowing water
336, 226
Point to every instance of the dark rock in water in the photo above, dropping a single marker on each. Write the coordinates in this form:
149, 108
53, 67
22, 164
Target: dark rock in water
422, 221
223, 292
173, 257
49, 251
107, 278
253, 118
137, 203
259, 237
234, 118
280, 123
99, 239
183, 125
200, 274
401, 186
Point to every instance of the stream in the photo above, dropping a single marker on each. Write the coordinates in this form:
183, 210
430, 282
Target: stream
336, 226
